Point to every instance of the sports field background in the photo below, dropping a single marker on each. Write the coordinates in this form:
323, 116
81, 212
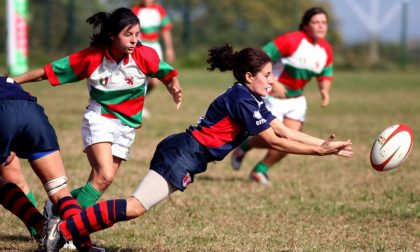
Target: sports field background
314, 203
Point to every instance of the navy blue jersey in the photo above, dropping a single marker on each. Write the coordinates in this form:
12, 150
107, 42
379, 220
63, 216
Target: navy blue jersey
230, 119
10, 90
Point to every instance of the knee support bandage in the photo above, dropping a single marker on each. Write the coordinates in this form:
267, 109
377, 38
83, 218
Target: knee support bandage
54, 185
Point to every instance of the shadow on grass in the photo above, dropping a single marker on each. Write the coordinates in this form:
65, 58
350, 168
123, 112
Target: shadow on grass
227, 179
18, 238
116, 249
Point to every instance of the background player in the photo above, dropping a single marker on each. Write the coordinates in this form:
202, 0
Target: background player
155, 22
298, 57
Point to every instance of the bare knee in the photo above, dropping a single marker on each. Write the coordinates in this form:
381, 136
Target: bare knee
134, 208
103, 180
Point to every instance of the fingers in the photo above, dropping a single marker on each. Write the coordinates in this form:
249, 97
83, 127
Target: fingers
345, 153
178, 105
330, 139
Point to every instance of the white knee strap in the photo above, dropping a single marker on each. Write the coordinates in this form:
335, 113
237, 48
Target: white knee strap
55, 185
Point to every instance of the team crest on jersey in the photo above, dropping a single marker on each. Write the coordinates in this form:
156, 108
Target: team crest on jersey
129, 80
186, 180
257, 115
104, 82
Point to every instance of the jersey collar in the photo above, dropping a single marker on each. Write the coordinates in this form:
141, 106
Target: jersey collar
109, 57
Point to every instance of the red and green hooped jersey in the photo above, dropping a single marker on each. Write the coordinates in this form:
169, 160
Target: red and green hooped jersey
300, 59
118, 87
153, 19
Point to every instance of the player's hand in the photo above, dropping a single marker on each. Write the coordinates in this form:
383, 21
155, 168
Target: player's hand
278, 90
175, 90
339, 148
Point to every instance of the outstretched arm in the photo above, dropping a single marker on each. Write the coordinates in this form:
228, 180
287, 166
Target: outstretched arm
174, 88
31, 76
341, 148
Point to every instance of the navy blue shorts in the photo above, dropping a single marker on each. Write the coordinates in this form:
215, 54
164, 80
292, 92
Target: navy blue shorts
178, 158
24, 129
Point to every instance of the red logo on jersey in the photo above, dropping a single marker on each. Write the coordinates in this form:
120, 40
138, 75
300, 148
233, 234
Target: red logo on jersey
104, 82
129, 80
186, 180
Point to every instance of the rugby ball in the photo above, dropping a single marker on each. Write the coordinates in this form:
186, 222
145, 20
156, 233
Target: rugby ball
391, 147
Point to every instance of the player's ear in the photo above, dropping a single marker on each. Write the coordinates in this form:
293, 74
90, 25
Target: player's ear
248, 77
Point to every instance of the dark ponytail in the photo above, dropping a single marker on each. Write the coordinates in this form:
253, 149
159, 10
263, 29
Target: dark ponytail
247, 60
110, 24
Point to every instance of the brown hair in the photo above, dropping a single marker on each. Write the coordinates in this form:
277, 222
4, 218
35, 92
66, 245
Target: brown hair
246, 60
306, 18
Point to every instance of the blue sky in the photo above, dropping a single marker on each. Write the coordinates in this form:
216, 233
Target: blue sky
354, 30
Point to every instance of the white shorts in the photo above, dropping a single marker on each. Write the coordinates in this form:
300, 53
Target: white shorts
97, 129
292, 108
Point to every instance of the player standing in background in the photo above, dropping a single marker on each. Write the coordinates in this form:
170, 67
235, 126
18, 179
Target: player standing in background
154, 22
297, 58
230, 118
25, 132
116, 67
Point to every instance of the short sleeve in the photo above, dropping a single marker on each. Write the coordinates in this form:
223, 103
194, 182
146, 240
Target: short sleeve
253, 115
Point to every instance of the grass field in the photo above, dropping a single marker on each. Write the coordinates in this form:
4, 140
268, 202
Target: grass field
314, 203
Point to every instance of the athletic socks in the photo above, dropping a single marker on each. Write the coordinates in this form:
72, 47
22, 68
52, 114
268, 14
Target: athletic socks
14, 199
245, 145
86, 195
261, 167
98, 217
67, 207
31, 198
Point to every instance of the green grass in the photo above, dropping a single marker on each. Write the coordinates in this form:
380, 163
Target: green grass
314, 204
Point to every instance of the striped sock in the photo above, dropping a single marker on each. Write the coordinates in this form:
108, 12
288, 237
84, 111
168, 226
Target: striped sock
14, 199
97, 217
67, 207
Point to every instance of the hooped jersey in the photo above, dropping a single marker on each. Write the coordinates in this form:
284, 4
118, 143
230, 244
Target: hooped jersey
230, 119
118, 87
299, 59
153, 19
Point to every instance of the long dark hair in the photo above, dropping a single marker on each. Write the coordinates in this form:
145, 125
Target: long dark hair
110, 24
306, 18
246, 60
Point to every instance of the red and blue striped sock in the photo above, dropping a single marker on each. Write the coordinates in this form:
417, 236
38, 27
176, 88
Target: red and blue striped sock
67, 207
97, 217
14, 199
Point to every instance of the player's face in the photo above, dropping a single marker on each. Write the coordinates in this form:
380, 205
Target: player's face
125, 42
147, 2
261, 83
317, 27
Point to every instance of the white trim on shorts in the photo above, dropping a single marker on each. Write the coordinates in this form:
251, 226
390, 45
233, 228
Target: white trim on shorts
153, 189
98, 129
293, 108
